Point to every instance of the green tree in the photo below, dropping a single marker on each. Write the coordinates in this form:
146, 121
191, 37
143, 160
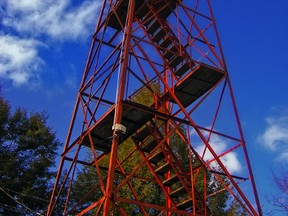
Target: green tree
27, 153
219, 203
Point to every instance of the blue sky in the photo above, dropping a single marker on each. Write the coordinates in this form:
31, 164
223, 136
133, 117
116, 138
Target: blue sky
44, 45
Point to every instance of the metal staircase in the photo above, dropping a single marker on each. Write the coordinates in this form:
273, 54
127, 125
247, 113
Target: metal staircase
137, 43
168, 170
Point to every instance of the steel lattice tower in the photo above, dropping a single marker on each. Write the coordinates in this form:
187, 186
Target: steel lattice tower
156, 94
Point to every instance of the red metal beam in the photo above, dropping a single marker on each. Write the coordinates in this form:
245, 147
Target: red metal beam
118, 107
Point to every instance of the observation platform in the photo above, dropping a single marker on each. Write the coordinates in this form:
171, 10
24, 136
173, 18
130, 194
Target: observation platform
200, 80
132, 118
117, 17
159, 32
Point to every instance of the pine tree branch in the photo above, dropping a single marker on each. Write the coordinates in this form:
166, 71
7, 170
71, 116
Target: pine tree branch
18, 202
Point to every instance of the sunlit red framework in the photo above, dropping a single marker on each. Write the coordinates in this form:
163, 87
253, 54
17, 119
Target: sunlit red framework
137, 45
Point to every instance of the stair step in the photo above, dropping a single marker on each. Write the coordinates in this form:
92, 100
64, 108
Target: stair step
183, 68
179, 191
149, 147
165, 42
176, 61
171, 52
171, 181
147, 20
159, 35
168, 10
185, 204
157, 157
142, 135
163, 169
153, 27
142, 11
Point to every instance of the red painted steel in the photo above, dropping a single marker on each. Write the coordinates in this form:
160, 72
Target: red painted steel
163, 61
118, 106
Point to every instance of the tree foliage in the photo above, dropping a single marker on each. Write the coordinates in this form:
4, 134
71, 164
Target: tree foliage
27, 152
219, 204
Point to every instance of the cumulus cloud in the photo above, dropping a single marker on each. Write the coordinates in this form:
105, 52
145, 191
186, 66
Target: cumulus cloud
23, 5
275, 136
55, 19
29, 25
220, 145
19, 60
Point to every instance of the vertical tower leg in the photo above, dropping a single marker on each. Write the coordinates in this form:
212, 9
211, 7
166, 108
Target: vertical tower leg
119, 107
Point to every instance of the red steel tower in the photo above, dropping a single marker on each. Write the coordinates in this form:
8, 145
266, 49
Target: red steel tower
155, 128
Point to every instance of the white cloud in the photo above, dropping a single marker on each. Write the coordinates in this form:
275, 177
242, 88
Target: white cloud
27, 22
23, 5
275, 136
55, 19
283, 156
220, 145
19, 60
